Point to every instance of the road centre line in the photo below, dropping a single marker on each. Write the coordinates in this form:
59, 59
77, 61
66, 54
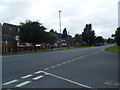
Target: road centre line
64, 63
46, 68
70, 81
38, 72
72, 59
68, 61
38, 77
23, 83
58, 64
27, 76
10, 82
52, 67
75, 58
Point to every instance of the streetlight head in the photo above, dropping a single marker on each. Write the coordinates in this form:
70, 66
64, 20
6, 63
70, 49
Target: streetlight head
59, 11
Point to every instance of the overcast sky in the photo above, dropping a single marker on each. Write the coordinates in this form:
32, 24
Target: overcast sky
103, 14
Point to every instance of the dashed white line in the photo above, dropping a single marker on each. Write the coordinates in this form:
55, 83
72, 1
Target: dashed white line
10, 82
27, 76
58, 64
46, 68
64, 63
38, 72
38, 77
72, 59
75, 58
68, 61
53, 67
23, 83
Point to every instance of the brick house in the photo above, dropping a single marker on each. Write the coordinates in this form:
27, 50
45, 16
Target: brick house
9, 37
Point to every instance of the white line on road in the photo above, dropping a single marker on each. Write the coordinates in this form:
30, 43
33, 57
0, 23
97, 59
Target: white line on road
10, 82
46, 68
58, 64
64, 62
72, 59
23, 83
70, 81
76, 58
38, 72
38, 77
53, 67
27, 76
68, 61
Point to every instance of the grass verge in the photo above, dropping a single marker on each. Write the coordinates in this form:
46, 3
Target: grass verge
114, 49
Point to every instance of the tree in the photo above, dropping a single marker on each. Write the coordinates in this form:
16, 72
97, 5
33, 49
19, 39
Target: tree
78, 38
64, 35
51, 39
117, 36
88, 35
54, 34
51, 31
32, 32
110, 41
99, 39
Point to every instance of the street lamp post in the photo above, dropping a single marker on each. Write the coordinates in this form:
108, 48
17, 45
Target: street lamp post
60, 29
60, 20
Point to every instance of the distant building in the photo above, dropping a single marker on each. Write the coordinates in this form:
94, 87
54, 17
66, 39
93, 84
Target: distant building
119, 14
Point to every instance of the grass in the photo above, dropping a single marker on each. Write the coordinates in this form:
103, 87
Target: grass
114, 49
27, 52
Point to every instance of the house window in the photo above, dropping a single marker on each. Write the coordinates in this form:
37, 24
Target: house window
17, 37
10, 29
18, 29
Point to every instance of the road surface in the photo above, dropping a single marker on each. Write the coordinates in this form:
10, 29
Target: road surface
74, 68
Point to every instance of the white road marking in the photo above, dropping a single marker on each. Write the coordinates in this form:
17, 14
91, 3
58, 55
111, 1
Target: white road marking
10, 82
46, 68
68, 61
108, 83
52, 66
72, 60
27, 76
116, 84
70, 81
75, 58
38, 72
64, 62
38, 77
58, 64
23, 83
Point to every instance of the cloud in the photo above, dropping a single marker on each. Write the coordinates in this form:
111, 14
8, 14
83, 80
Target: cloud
75, 14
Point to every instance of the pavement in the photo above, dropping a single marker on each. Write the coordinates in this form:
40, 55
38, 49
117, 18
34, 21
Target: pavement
91, 68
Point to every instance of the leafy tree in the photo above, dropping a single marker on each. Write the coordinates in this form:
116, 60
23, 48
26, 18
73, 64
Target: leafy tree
78, 38
110, 41
54, 34
88, 34
51, 39
64, 35
32, 32
51, 31
117, 36
99, 39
